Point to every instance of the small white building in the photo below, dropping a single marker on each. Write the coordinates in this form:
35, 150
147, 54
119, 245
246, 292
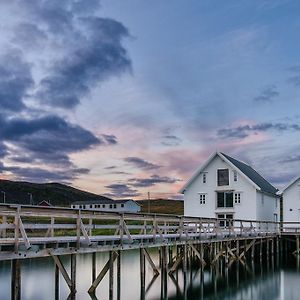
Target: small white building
224, 187
291, 201
126, 205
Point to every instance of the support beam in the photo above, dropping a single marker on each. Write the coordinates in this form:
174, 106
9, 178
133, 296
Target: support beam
150, 261
102, 273
202, 261
24, 235
63, 271
176, 264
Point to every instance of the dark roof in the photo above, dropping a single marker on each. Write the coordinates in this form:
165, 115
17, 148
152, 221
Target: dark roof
122, 201
94, 201
253, 175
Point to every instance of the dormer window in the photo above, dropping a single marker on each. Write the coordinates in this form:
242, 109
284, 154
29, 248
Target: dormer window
223, 177
204, 177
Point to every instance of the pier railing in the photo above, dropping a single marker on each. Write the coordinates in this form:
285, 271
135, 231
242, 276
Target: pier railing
23, 228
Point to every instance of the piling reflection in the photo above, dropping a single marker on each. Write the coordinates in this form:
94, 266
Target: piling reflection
182, 275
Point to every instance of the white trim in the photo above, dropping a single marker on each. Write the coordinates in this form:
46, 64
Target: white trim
210, 159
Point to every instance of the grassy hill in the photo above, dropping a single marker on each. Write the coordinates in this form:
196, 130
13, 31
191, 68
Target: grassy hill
163, 206
56, 193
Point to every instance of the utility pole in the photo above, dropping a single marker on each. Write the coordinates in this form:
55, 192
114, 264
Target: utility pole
4, 196
30, 199
149, 203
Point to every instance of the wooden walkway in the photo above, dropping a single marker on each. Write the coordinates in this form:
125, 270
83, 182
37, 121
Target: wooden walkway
29, 232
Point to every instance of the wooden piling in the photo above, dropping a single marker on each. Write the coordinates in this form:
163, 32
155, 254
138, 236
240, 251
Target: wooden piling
119, 275
15, 279
142, 273
94, 266
73, 273
111, 275
56, 283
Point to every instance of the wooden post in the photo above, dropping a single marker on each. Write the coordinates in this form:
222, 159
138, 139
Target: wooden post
170, 256
4, 222
93, 266
119, 275
253, 250
17, 230
185, 258
142, 273
111, 276
56, 282
15, 279
260, 248
73, 273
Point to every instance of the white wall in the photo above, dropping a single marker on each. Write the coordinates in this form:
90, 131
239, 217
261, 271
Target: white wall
291, 203
267, 206
129, 206
192, 207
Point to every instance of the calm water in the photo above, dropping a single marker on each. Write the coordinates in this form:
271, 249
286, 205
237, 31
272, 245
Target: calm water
269, 280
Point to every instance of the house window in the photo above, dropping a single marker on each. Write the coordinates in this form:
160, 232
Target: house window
91, 206
103, 206
223, 177
204, 177
115, 205
224, 199
235, 176
202, 198
226, 220
74, 206
83, 206
122, 205
80, 206
110, 205
237, 198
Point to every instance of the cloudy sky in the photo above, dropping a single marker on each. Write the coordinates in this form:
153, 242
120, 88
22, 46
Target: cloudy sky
129, 96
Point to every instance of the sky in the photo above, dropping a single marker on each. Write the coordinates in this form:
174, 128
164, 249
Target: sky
126, 97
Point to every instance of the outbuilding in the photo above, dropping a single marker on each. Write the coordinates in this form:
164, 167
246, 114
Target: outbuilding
126, 205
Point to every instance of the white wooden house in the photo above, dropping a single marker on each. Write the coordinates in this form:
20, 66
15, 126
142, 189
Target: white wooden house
291, 201
126, 205
226, 188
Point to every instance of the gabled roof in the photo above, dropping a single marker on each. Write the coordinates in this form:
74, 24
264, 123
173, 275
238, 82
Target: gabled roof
245, 170
290, 184
264, 185
123, 201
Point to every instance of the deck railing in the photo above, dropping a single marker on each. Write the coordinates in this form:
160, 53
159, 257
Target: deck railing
25, 226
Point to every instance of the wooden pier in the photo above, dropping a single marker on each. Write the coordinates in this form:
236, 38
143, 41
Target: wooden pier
30, 232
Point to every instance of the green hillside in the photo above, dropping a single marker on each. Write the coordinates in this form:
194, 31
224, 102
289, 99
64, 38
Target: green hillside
56, 193
162, 206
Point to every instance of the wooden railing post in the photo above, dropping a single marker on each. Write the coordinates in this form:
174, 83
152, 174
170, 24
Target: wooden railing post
78, 230
17, 229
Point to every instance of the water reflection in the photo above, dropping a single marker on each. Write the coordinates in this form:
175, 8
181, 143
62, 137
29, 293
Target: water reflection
271, 278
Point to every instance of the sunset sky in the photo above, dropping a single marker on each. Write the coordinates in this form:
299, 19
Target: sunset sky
122, 97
